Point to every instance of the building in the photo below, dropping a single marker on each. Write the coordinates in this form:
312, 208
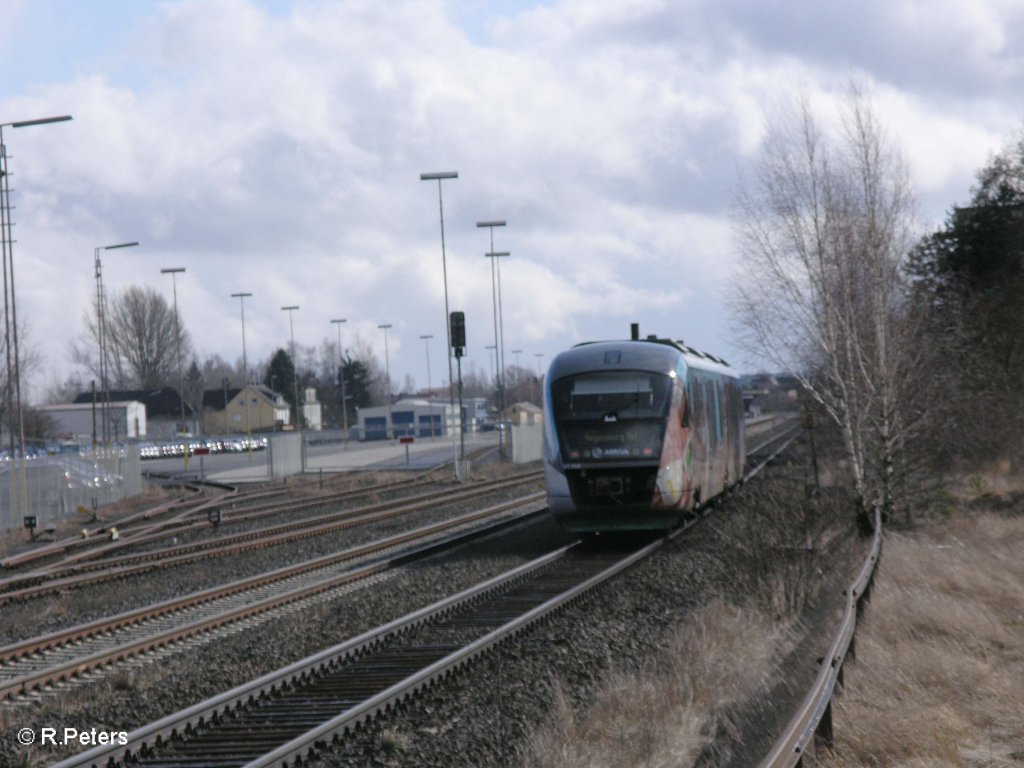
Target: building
163, 413
312, 411
408, 417
524, 414
83, 422
257, 408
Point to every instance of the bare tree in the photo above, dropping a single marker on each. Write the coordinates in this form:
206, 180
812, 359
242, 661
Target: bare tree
822, 232
216, 369
142, 349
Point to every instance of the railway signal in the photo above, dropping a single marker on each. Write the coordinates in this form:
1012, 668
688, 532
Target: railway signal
457, 330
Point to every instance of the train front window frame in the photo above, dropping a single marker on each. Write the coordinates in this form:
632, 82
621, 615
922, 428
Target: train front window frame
611, 416
619, 394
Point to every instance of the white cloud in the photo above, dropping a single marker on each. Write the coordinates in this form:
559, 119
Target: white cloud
278, 151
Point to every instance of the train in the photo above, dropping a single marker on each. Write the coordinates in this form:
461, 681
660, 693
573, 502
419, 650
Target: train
639, 434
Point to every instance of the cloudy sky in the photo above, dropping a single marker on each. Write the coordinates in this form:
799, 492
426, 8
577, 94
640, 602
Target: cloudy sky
275, 147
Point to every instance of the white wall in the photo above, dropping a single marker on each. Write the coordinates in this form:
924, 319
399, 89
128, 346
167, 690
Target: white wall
285, 454
527, 443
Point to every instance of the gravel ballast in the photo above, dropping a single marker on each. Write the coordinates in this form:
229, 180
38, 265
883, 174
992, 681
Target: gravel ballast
480, 717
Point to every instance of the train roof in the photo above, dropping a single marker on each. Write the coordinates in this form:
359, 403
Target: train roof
651, 354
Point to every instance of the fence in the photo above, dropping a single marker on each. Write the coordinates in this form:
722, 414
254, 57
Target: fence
53, 487
812, 724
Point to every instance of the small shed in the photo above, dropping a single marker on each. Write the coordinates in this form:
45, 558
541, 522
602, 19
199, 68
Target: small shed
524, 414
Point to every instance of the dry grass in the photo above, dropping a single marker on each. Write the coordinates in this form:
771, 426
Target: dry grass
664, 715
939, 675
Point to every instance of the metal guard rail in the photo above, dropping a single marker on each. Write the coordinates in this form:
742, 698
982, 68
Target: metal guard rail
813, 720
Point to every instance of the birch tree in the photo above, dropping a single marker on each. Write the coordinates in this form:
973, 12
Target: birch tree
822, 230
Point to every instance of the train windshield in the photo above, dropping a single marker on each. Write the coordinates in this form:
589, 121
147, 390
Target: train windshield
610, 416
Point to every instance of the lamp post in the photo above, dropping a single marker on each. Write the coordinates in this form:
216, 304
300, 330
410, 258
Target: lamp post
387, 372
174, 272
295, 365
10, 304
440, 177
341, 375
426, 347
245, 365
101, 331
499, 337
498, 321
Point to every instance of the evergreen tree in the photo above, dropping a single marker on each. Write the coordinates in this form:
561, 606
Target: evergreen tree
194, 386
280, 377
357, 385
968, 279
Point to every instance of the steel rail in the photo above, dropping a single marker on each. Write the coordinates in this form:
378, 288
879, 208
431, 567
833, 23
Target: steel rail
92, 572
187, 553
224, 704
782, 433
77, 542
813, 719
89, 562
791, 435
81, 664
194, 517
184, 517
207, 711
301, 746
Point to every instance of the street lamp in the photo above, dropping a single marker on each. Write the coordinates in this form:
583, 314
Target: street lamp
440, 177
295, 365
10, 305
341, 375
245, 366
387, 372
499, 337
174, 272
426, 347
101, 331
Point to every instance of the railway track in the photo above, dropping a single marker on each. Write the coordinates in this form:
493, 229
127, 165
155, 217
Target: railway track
282, 717
62, 577
173, 517
59, 656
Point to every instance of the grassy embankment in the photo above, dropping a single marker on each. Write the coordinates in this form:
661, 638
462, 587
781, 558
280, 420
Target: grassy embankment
939, 675
723, 655
938, 679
